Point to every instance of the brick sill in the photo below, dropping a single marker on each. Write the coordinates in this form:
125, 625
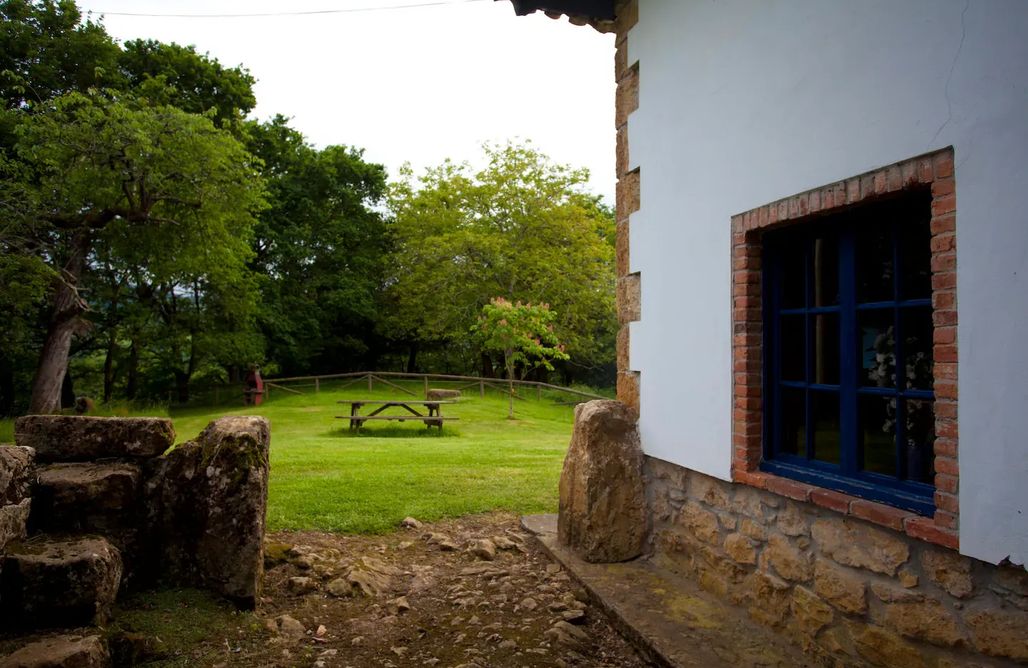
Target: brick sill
912, 524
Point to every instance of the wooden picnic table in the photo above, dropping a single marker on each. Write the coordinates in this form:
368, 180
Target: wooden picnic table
433, 418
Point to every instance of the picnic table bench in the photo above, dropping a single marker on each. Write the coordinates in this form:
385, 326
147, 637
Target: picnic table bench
433, 418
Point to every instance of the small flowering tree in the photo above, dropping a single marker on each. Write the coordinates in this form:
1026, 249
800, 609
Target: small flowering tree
524, 333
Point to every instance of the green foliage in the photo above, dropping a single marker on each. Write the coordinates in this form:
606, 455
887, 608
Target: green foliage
320, 248
522, 227
523, 333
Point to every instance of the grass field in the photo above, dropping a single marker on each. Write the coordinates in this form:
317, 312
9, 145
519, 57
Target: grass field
325, 478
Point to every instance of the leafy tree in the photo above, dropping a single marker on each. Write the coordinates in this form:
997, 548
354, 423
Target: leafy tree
46, 50
320, 249
172, 195
179, 76
523, 333
522, 227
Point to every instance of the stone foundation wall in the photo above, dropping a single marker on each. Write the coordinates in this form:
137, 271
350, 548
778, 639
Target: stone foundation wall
851, 593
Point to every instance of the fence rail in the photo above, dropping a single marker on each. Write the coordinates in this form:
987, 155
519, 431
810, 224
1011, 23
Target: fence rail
381, 376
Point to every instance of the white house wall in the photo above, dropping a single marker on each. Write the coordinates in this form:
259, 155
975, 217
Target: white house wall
743, 102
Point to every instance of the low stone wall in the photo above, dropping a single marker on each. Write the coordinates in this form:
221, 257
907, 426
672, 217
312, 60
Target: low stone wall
89, 506
849, 592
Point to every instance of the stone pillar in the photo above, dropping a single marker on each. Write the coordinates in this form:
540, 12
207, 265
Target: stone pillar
602, 494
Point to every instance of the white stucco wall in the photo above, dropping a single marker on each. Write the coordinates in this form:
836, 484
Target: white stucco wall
743, 102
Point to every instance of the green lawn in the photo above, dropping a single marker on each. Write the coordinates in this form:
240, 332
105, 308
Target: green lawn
325, 478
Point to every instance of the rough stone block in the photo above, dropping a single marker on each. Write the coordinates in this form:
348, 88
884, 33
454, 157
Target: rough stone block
60, 582
1000, 632
73, 438
854, 544
924, 620
86, 497
769, 598
840, 587
64, 651
949, 570
603, 513
788, 560
810, 613
14, 522
15, 473
702, 523
206, 504
883, 648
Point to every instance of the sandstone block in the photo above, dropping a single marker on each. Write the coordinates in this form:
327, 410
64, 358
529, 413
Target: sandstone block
60, 582
854, 544
71, 438
769, 598
708, 490
63, 651
752, 529
701, 522
840, 587
207, 501
790, 520
603, 514
924, 620
810, 613
15, 473
86, 497
13, 522
788, 560
949, 570
741, 549
883, 648
1000, 632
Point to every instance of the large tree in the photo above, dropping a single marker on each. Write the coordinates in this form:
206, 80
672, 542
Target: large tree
149, 180
319, 248
522, 227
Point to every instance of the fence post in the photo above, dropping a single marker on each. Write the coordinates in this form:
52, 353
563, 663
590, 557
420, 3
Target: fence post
481, 387
317, 386
426, 387
370, 381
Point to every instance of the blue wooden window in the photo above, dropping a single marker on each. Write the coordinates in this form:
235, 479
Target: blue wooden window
848, 352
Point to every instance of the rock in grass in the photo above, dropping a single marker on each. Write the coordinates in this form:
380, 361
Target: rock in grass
410, 523
64, 650
484, 549
289, 627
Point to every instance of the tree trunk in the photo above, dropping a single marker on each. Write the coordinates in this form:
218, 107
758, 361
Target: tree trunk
112, 347
412, 358
182, 386
487, 366
64, 323
132, 382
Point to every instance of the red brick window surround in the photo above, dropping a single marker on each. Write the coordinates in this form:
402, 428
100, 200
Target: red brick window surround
934, 171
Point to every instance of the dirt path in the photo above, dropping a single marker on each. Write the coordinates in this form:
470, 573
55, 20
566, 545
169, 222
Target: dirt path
433, 595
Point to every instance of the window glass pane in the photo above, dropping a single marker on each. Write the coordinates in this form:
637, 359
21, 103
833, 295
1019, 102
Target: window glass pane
877, 348
825, 413
914, 239
875, 271
793, 346
877, 416
826, 348
920, 437
825, 276
793, 259
917, 347
792, 437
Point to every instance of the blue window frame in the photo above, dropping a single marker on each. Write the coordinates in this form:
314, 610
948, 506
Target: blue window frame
848, 352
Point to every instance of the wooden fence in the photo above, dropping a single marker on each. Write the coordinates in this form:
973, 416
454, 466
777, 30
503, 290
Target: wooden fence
217, 395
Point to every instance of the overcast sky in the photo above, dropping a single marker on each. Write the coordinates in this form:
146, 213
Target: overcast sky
411, 84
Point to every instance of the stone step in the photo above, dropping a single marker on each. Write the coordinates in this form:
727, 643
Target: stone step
51, 581
88, 498
669, 618
71, 438
65, 651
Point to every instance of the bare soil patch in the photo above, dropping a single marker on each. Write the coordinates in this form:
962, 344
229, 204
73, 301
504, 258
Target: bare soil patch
469, 592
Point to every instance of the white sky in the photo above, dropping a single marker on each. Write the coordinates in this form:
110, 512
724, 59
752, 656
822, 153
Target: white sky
415, 84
